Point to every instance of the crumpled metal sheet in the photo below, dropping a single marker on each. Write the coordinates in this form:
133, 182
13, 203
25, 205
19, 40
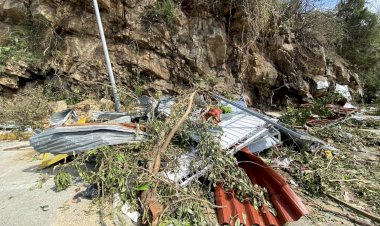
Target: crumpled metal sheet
81, 138
59, 118
164, 107
146, 107
304, 138
107, 116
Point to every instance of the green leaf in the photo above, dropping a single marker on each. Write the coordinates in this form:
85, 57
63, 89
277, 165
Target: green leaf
245, 218
237, 222
143, 187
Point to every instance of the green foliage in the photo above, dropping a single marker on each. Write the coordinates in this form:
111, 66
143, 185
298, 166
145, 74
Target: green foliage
123, 169
226, 109
62, 180
299, 116
15, 46
295, 117
361, 34
164, 11
361, 44
371, 85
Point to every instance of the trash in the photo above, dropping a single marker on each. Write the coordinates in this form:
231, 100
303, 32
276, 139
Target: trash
44, 208
9, 126
59, 118
81, 138
127, 210
234, 132
322, 84
328, 153
344, 91
164, 106
349, 106
100, 116
91, 192
146, 107
282, 163
294, 134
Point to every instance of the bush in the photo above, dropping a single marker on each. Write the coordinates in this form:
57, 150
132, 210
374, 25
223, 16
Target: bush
164, 11
15, 46
28, 108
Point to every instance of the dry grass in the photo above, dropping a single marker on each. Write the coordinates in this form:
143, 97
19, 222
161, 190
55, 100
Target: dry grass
28, 108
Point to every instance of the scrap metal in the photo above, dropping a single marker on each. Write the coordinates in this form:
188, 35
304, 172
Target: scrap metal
277, 125
59, 118
81, 138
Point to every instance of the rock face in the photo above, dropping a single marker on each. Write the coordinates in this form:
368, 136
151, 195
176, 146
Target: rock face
153, 53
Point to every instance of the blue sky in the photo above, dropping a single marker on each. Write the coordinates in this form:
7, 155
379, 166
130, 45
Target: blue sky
329, 4
373, 5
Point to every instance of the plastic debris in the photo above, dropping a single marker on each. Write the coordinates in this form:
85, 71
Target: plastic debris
127, 210
344, 91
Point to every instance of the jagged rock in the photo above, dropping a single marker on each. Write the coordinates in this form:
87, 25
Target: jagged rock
341, 73
354, 81
160, 85
303, 88
12, 11
194, 47
44, 9
9, 81
260, 71
17, 69
105, 4
58, 106
86, 108
85, 24
315, 60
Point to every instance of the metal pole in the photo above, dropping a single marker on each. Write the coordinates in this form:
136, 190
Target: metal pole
107, 57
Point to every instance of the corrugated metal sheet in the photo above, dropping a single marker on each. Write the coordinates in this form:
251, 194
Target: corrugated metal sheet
235, 131
237, 127
294, 134
59, 118
287, 204
80, 138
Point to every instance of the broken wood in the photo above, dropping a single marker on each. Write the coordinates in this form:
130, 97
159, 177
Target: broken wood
157, 162
355, 209
347, 216
149, 198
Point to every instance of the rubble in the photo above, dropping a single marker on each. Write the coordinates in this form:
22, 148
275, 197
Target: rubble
198, 167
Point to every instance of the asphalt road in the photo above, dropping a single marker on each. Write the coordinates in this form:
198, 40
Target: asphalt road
26, 200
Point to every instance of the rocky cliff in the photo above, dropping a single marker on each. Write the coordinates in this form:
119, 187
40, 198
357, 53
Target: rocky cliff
163, 46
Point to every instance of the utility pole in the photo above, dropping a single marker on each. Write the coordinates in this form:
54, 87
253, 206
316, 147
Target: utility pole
107, 57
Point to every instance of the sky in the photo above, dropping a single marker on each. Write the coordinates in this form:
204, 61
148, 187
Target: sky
373, 5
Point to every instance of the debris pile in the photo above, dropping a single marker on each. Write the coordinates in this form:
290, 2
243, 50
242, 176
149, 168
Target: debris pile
186, 160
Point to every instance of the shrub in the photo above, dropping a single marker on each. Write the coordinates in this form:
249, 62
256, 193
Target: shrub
28, 108
15, 47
